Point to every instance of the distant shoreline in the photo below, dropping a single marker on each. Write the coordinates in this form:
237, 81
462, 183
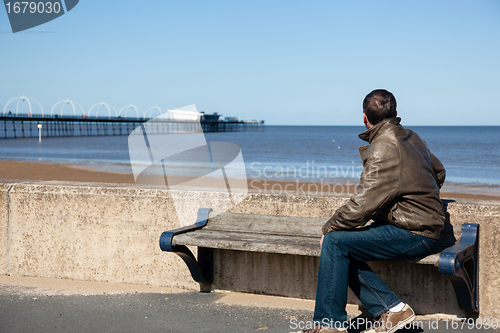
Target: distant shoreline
21, 170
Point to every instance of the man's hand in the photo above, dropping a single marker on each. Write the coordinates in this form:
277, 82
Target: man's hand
321, 241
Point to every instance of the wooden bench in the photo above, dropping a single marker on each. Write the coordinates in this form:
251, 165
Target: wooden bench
300, 236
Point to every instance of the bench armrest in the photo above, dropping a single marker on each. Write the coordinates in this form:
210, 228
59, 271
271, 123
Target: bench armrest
167, 236
460, 263
201, 269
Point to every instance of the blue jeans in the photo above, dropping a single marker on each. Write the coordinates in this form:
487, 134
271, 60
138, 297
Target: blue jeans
342, 264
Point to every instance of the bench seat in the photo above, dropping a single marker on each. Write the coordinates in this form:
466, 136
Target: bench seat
265, 233
264, 243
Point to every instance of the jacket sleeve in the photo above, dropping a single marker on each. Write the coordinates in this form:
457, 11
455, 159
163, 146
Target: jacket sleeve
439, 170
379, 185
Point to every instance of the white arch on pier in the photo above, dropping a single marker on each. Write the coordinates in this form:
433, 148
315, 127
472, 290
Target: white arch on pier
138, 111
98, 105
19, 99
65, 102
152, 109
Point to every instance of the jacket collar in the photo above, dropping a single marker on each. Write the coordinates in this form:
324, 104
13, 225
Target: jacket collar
370, 134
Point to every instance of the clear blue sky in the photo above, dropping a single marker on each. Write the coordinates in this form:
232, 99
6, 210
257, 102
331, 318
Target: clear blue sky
287, 62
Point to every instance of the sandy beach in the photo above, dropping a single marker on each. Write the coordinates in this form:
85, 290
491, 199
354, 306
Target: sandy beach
23, 171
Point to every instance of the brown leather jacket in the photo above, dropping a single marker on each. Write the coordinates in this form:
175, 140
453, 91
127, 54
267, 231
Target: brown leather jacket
399, 184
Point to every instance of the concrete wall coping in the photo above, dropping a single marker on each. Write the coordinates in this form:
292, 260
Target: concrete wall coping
474, 206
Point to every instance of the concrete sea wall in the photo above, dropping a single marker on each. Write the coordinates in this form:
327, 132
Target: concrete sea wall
101, 232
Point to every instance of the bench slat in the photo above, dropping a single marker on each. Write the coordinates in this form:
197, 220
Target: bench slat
299, 245
308, 246
433, 259
274, 225
266, 224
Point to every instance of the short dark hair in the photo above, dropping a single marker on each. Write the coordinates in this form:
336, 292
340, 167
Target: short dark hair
379, 105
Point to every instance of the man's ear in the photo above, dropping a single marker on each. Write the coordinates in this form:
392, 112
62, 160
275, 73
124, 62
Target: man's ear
396, 114
368, 125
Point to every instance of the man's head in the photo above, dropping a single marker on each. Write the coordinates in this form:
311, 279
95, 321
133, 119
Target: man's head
377, 106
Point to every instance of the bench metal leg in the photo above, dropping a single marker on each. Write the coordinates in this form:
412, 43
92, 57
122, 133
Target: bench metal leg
460, 263
205, 262
201, 269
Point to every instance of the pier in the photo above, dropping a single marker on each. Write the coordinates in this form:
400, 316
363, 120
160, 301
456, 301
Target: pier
26, 126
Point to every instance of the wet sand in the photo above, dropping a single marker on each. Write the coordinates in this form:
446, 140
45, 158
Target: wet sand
16, 170
22, 171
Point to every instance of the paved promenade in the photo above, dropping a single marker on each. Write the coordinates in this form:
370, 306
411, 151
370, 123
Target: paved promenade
51, 305
55, 305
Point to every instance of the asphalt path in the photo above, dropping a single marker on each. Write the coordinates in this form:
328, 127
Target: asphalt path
21, 310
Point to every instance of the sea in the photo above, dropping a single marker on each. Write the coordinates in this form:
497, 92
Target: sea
470, 154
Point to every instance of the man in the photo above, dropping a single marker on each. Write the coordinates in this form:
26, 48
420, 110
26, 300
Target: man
399, 192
